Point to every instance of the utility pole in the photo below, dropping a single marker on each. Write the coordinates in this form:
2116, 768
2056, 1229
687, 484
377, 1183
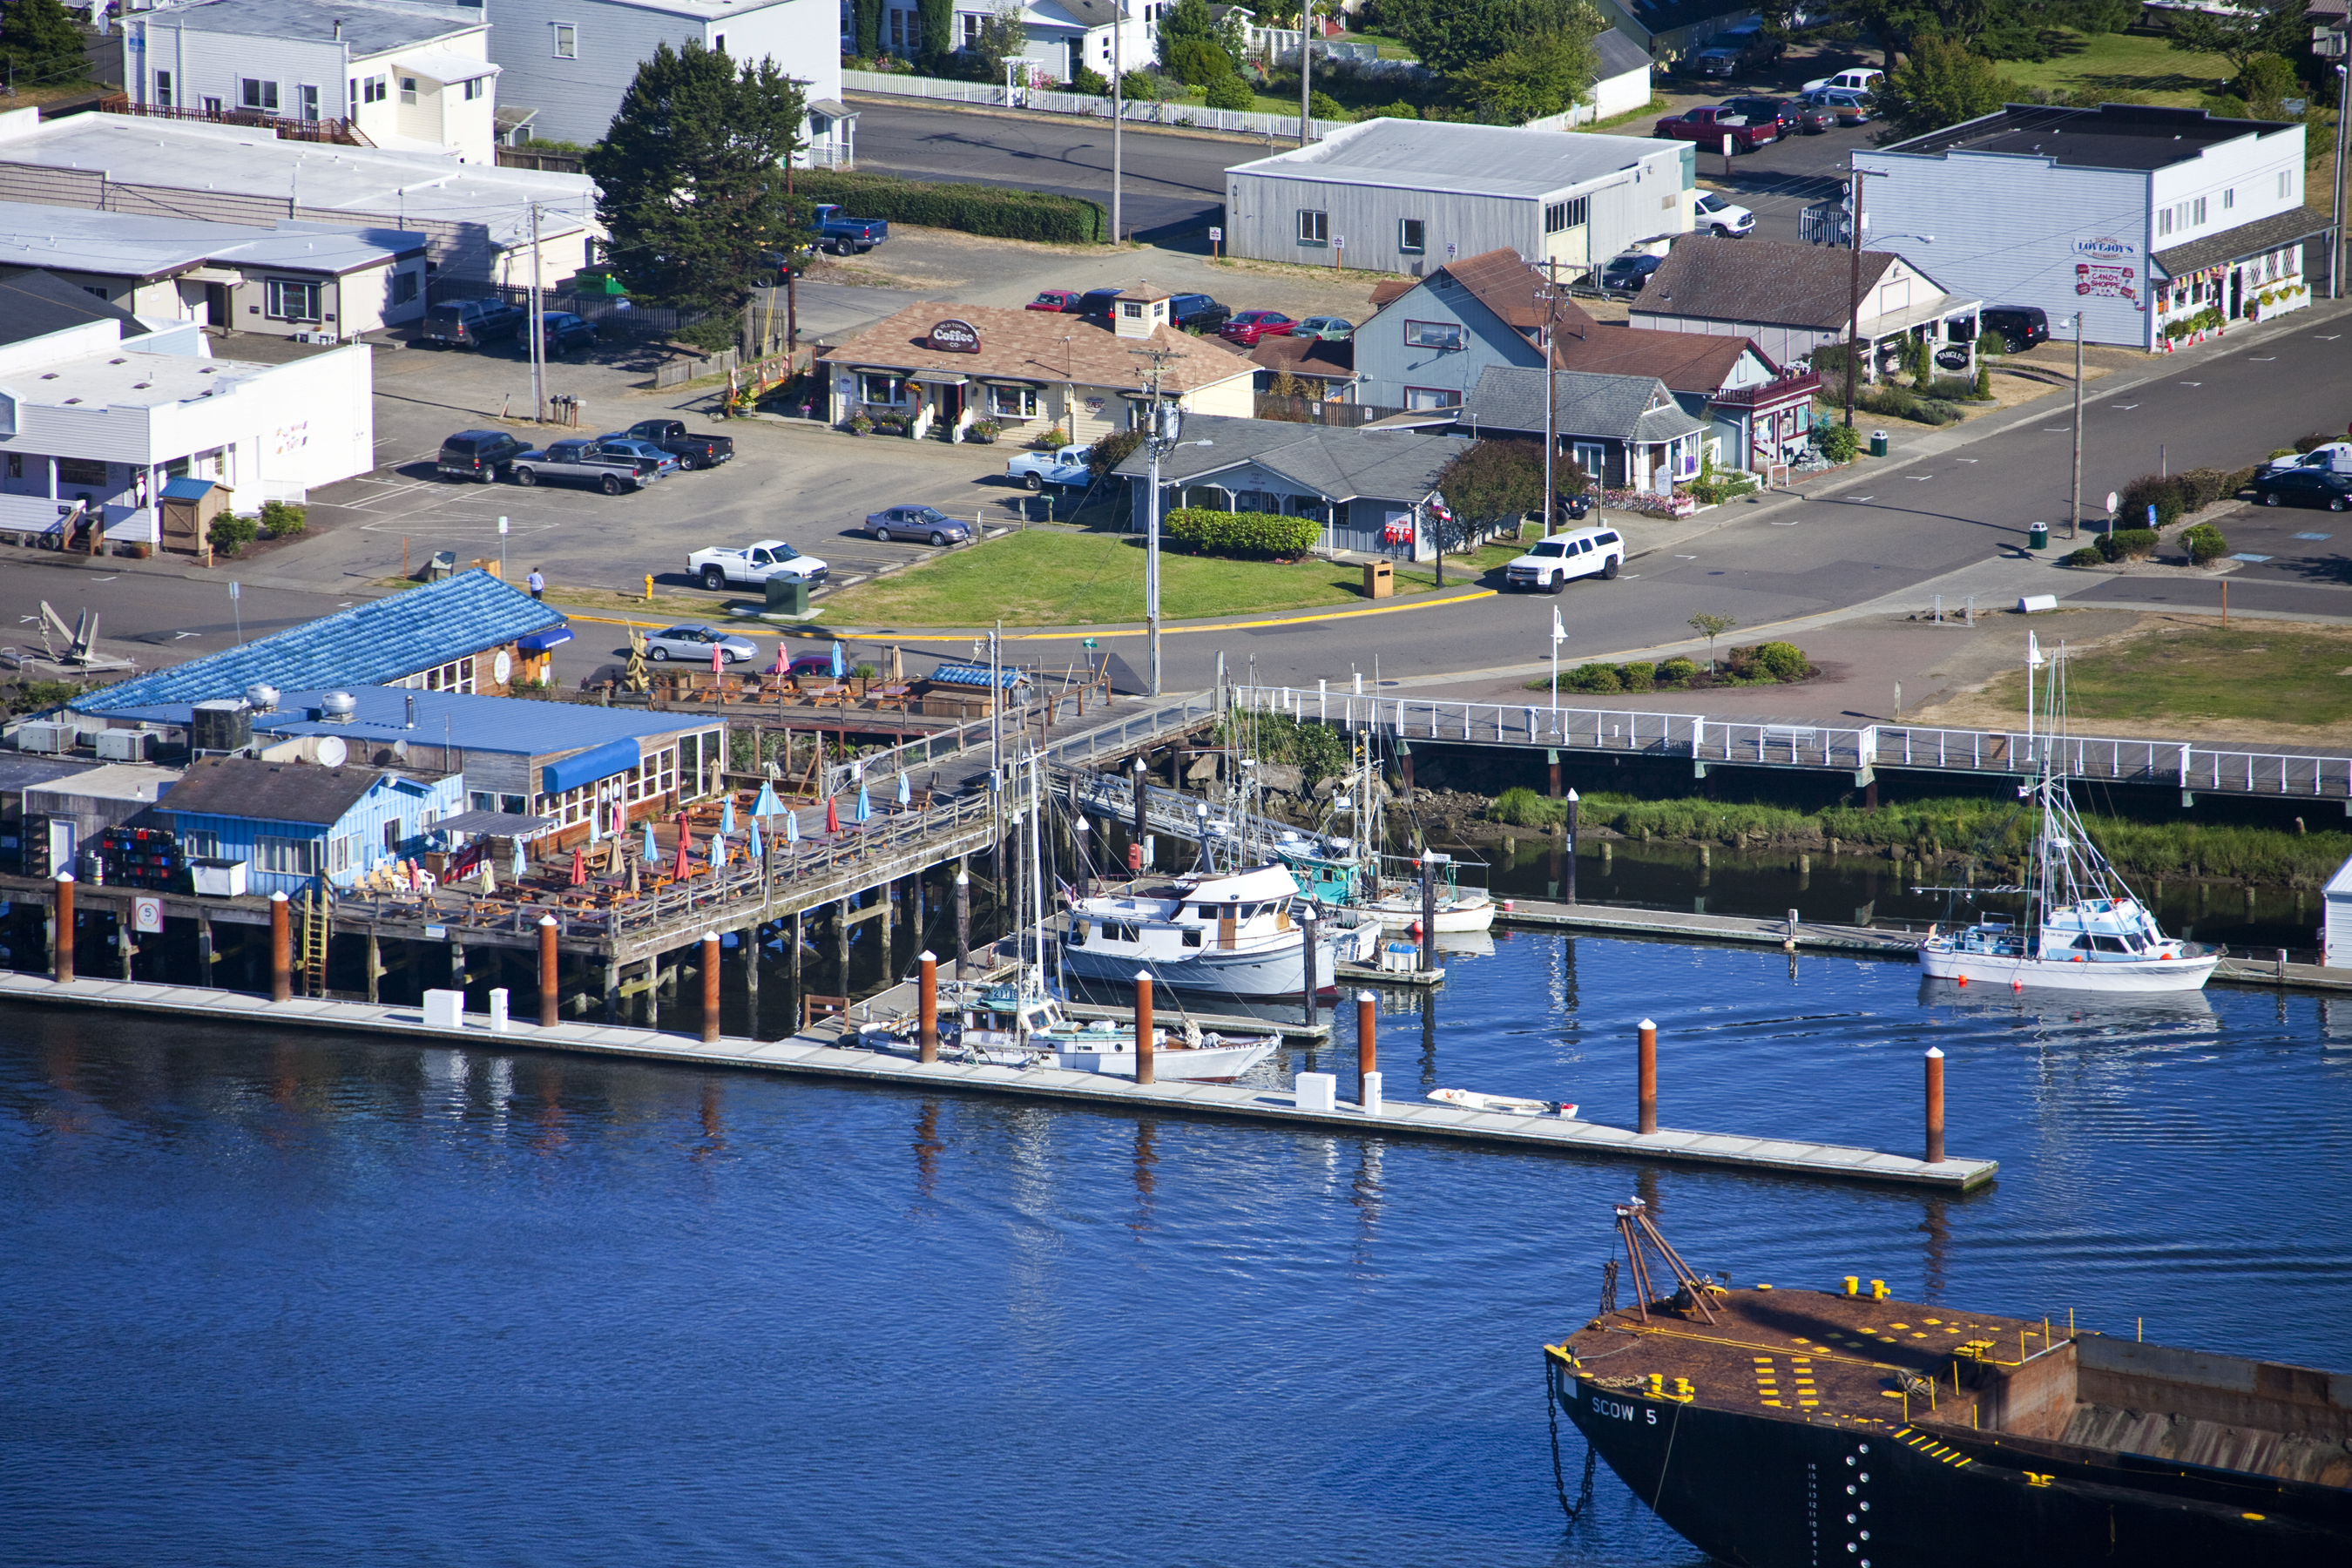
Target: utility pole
1551, 435
1306, 16
1117, 120
2074, 496
1160, 437
1853, 303
792, 270
538, 329
2338, 47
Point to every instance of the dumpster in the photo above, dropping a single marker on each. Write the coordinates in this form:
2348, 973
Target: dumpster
1878, 443
2038, 537
1380, 579
788, 597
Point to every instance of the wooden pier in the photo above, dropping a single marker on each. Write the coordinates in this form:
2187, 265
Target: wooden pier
815, 1053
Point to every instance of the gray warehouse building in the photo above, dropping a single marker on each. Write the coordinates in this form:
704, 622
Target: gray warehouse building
1406, 195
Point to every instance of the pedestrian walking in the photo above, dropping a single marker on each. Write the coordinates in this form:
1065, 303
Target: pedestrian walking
538, 584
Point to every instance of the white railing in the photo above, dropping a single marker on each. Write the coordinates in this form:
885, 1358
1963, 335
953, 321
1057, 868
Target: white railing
1796, 743
1192, 116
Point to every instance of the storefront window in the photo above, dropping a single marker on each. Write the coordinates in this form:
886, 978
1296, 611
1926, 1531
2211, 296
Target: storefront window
874, 387
1012, 402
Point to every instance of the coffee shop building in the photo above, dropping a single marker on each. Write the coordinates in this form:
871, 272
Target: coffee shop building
943, 370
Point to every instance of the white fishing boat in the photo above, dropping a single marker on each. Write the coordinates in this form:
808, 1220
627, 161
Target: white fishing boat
1471, 1100
1232, 934
1460, 911
2083, 928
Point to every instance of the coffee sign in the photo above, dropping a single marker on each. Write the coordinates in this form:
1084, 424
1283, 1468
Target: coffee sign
953, 337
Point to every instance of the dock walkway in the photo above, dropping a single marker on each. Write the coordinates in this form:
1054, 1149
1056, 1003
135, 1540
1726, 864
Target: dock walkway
811, 1053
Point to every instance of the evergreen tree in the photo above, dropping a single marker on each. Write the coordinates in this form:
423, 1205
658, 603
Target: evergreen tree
937, 18
40, 45
692, 180
1942, 84
2242, 31
865, 16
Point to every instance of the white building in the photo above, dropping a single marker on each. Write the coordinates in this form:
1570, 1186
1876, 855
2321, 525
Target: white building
98, 412
297, 280
2142, 219
476, 217
412, 78
571, 61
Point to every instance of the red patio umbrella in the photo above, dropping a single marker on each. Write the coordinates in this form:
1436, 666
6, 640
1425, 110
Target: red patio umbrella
832, 817
718, 659
685, 844
578, 869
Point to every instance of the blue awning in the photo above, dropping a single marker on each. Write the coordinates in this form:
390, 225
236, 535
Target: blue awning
539, 642
586, 767
954, 673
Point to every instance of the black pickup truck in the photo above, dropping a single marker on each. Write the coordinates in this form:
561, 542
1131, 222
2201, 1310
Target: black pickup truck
691, 450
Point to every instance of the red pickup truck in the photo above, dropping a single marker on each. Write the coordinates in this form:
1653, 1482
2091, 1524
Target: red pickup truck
1708, 126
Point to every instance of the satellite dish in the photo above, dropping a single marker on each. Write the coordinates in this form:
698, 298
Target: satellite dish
332, 752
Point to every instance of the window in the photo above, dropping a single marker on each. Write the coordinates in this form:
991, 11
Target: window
404, 288
308, 97
1313, 227
2286, 183
408, 90
2163, 222
341, 852
2197, 211
2228, 198
80, 471
718, 42
254, 93
1591, 457
474, 88
898, 30
1012, 402
1410, 233
874, 387
1132, 309
1428, 397
1561, 217
94, 288
482, 800
163, 89
376, 89
212, 106
567, 40
971, 21
1432, 335
287, 856
293, 302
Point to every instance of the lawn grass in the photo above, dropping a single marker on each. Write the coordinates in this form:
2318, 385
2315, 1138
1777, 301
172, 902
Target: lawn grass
2275, 676
2135, 68
1041, 577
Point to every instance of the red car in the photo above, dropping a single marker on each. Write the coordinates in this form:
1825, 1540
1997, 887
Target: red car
1248, 327
1709, 126
1064, 301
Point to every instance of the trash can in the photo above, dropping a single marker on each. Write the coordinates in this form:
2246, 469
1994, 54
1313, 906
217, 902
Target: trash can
1878, 443
1380, 579
443, 565
788, 597
2038, 537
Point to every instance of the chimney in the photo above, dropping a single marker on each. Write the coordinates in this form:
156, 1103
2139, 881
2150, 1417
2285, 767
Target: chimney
338, 30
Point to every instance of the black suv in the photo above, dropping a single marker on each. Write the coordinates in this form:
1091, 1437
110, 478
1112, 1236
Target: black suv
564, 332
1196, 313
484, 455
1098, 302
2017, 327
470, 323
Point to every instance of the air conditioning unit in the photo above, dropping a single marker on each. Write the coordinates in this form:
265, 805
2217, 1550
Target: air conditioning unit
49, 739
315, 337
123, 745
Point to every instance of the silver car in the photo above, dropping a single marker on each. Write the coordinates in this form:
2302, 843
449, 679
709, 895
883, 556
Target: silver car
695, 643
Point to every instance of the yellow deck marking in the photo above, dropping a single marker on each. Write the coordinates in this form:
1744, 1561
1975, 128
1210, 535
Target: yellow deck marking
1218, 626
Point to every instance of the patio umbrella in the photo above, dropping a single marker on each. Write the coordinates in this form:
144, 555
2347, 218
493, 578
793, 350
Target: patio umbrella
758, 850
783, 661
840, 661
727, 815
578, 869
651, 852
767, 804
685, 844
905, 794
718, 659
792, 827
521, 859
864, 805
718, 855
832, 817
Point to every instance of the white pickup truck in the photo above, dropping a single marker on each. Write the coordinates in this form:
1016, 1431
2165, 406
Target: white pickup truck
753, 564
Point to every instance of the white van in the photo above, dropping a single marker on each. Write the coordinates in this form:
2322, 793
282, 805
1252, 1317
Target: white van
1579, 552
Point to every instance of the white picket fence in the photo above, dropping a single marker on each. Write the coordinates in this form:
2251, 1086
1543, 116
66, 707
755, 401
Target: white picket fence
1192, 116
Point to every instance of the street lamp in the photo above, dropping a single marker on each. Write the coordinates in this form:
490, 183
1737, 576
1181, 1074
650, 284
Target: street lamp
1166, 434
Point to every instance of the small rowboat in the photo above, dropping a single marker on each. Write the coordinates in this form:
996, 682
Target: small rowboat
1471, 1100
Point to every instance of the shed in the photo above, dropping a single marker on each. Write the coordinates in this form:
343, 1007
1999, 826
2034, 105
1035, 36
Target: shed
2336, 919
189, 506
292, 823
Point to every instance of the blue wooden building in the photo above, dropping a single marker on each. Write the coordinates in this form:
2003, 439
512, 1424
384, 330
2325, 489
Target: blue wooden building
292, 823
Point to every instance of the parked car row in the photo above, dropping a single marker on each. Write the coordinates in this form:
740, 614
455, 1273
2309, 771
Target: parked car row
618, 460
1200, 313
478, 323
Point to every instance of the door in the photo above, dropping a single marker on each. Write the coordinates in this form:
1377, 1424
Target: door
61, 845
2237, 293
217, 313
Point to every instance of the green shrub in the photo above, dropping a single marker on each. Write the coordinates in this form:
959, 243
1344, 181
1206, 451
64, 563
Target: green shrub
2205, 543
1786, 660
1523, 807
1090, 82
1983, 390
1316, 750
1954, 389
2087, 556
2151, 489
2312, 442
1637, 676
2202, 487
1321, 105
1111, 451
993, 210
2284, 452
230, 533
1677, 671
1050, 439
1230, 92
1241, 535
2128, 543
1399, 109
1143, 87
283, 519
1840, 443
1597, 678
1197, 62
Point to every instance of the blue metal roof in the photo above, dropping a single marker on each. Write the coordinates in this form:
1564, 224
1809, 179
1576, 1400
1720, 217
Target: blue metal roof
512, 725
186, 489
956, 674
381, 640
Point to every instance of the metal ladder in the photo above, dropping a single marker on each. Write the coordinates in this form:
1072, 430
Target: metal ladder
318, 925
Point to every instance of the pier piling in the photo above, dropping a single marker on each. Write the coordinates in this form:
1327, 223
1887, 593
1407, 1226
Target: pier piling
1314, 969
1569, 884
1646, 1086
547, 971
61, 935
1368, 1060
962, 916
711, 988
1935, 1106
1143, 1026
927, 1043
281, 951
1428, 910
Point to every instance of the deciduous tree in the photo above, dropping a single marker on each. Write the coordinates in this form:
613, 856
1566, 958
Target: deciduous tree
2243, 30
1942, 84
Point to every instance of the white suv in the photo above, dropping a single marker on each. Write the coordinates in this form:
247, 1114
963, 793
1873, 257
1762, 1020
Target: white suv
1579, 552
1861, 78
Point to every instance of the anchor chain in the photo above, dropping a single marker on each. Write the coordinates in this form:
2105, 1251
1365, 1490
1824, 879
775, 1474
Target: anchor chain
1559, 1474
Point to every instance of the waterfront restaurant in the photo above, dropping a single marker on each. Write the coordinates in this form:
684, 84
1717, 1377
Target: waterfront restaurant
936, 366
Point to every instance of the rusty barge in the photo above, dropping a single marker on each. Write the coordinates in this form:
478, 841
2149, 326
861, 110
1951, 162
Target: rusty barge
1790, 1428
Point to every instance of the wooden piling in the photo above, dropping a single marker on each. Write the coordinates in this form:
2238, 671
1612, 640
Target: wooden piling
1367, 1061
927, 1042
1935, 1106
962, 915
1646, 1082
1314, 970
1568, 883
1428, 910
281, 951
61, 938
1135, 859
547, 972
711, 988
1143, 1040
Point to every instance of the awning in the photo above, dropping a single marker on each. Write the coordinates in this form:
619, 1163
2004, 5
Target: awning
938, 378
831, 108
2249, 239
587, 767
539, 642
497, 824
444, 65
211, 274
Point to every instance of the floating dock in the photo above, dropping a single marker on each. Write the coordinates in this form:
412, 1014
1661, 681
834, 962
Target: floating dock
814, 1053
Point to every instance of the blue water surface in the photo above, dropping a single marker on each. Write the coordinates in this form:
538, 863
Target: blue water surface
276, 1298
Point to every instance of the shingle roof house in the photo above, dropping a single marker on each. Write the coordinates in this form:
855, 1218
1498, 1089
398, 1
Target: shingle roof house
1626, 431
1792, 298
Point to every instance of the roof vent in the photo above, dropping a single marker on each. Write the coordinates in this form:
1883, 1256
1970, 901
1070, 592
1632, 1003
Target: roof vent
411, 724
338, 707
261, 697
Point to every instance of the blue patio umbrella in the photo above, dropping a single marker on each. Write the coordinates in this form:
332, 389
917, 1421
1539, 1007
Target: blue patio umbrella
651, 853
840, 662
520, 859
905, 794
864, 805
759, 849
792, 827
727, 815
718, 850
767, 804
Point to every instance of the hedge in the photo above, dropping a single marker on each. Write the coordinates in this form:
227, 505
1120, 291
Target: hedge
1248, 535
989, 210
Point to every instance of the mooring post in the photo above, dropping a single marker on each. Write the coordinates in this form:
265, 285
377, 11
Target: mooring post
963, 914
1551, 760
1135, 856
1307, 926
1367, 1061
711, 988
1143, 1026
281, 951
1428, 910
547, 1012
1569, 878
1646, 1089
926, 1042
1934, 1105
61, 936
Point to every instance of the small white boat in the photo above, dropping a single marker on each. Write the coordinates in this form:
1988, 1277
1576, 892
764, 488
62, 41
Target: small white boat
1471, 1100
1001, 1026
1460, 911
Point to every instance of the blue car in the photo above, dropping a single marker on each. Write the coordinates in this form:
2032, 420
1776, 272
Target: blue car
665, 463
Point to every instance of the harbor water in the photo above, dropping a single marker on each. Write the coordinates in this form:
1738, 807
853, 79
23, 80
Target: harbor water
282, 1298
